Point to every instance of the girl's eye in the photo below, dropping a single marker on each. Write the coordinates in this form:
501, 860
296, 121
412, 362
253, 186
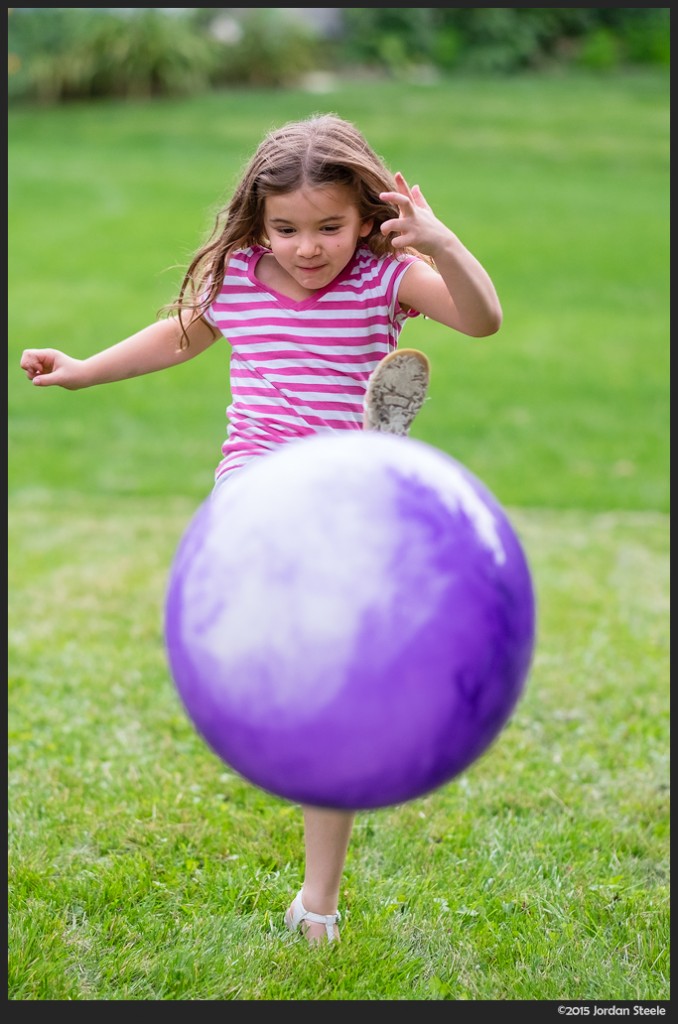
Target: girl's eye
328, 229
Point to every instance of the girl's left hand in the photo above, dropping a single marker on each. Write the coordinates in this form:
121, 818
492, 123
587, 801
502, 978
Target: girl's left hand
416, 225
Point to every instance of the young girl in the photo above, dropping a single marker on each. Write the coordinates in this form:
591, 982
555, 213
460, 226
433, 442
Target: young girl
309, 273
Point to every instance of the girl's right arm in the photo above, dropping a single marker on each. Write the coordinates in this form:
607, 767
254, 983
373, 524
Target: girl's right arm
155, 347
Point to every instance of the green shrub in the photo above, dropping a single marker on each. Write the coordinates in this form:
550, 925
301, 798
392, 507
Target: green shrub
647, 38
267, 47
447, 47
392, 38
149, 54
67, 53
503, 39
600, 50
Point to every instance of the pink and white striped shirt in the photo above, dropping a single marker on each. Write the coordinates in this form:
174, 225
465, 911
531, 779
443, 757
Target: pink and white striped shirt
298, 368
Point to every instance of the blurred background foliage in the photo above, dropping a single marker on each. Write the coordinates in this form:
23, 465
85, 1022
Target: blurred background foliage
65, 53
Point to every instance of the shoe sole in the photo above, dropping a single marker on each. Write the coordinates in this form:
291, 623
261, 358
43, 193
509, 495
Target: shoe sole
396, 391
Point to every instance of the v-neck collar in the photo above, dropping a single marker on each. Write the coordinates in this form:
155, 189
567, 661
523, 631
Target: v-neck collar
285, 300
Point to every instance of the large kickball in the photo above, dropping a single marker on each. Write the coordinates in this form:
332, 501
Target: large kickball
350, 620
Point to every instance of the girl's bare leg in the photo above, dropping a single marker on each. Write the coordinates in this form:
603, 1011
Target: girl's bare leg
326, 838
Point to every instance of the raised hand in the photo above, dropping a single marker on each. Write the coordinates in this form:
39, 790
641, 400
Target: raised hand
416, 224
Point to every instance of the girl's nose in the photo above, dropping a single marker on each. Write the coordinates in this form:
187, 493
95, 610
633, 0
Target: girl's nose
307, 246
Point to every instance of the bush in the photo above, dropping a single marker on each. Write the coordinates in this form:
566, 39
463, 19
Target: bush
503, 39
267, 47
393, 38
58, 54
646, 35
68, 53
600, 49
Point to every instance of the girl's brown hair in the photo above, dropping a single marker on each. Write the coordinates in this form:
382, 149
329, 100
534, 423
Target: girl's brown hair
321, 150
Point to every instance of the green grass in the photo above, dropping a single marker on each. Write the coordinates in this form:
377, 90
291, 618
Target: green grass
140, 867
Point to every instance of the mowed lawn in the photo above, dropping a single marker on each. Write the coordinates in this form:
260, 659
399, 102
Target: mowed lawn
140, 867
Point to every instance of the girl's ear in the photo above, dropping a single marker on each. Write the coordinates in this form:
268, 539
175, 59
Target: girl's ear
366, 227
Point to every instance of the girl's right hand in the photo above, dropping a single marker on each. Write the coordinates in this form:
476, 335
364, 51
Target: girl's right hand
47, 366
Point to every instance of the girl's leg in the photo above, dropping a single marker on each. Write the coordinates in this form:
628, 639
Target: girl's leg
395, 394
326, 838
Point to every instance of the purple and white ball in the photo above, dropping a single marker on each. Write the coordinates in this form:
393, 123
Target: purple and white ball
350, 620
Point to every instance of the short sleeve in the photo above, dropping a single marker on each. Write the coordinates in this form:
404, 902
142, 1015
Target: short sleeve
401, 315
207, 312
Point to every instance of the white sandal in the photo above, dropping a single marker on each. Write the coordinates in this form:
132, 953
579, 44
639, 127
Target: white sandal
297, 913
396, 391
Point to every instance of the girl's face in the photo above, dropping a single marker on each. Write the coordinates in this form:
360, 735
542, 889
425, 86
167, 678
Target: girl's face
313, 233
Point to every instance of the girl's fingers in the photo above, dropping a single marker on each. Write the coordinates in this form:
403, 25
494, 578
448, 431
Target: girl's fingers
408, 201
397, 198
400, 178
390, 226
418, 198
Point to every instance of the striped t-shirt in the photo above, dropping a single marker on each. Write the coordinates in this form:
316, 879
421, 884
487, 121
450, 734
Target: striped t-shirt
300, 367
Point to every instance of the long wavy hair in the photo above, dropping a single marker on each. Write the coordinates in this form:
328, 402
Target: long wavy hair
318, 151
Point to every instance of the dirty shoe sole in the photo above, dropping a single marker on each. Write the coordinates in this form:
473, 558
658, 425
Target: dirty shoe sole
396, 391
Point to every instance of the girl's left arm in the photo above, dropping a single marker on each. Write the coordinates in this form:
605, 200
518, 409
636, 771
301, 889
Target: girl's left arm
460, 294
